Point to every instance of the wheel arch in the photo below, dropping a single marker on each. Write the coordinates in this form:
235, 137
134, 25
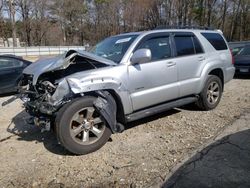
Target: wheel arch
212, 68
120, 114
218, 72
77, 87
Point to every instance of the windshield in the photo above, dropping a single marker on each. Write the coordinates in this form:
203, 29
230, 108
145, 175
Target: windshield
114, 48
245, 51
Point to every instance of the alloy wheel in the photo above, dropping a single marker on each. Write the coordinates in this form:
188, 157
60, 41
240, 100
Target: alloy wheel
86, 126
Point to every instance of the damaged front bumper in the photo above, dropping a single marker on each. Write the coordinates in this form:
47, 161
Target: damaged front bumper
44, 106
38, 102
48, 85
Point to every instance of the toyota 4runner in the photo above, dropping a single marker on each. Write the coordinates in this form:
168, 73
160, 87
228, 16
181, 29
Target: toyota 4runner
87, 96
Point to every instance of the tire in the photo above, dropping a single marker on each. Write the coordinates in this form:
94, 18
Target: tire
80, 128
212, 90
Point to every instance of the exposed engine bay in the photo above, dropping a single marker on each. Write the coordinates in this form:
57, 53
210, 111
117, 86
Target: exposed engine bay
47, 91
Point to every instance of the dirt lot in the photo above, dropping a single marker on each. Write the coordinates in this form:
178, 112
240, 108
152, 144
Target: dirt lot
141, 156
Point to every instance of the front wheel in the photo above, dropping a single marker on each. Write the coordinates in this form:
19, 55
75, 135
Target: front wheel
80, 128
211, 93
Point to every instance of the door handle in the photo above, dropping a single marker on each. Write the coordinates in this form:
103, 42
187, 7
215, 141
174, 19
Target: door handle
171, 63
201, 58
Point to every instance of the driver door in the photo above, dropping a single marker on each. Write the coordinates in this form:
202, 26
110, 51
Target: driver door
154, 82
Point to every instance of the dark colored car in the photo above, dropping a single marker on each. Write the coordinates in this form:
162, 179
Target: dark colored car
242, 61
236, 50
11, 68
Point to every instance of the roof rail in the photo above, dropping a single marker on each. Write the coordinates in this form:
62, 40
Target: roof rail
183, 27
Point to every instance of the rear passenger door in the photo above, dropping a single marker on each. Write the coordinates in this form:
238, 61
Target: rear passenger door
10, 70
190, 60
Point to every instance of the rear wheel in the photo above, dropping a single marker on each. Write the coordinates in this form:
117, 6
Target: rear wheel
80, 128
211, 93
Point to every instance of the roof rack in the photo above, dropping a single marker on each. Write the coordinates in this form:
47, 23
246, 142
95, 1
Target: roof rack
183, 27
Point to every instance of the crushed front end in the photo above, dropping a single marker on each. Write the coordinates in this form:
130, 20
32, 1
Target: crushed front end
44, 88
39, 100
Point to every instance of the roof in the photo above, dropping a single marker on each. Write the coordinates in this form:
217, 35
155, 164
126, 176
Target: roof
169, 30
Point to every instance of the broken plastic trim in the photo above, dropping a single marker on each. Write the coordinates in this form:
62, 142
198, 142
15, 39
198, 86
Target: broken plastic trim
10, 100
106, 106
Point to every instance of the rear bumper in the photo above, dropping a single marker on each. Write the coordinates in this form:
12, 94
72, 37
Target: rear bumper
242, 69
229, 74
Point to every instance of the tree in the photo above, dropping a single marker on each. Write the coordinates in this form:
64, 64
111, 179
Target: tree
70, 15
78, 22
12, 12
25, 8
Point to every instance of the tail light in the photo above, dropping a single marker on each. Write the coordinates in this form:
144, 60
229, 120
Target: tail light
232, 56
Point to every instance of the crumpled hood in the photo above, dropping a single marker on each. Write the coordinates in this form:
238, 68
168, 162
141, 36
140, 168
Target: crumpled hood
61, 62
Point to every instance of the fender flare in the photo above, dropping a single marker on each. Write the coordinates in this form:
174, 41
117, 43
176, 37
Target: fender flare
99, 84
105, 104
72, 87
207, 69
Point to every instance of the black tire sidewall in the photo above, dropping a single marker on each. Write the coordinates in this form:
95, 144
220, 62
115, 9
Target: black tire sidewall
63, 127
204, 101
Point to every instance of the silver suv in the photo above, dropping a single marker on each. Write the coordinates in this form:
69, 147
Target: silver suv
87, 96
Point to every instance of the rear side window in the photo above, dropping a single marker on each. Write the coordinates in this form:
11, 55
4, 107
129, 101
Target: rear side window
187, 45
9, 63
216, 40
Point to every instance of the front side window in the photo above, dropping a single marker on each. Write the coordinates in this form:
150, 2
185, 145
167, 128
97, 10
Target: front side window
159, 47
114, 48
9, 63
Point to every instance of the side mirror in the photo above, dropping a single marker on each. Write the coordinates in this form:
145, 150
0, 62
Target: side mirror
141, 56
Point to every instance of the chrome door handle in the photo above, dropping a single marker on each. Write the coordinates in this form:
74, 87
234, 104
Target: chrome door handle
171, 63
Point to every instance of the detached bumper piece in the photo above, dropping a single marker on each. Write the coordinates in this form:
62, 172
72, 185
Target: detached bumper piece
106, 106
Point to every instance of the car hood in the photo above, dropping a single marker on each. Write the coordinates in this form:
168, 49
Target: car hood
61, 62
242, 60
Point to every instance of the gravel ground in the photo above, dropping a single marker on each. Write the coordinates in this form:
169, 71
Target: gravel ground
141, 156
223, 162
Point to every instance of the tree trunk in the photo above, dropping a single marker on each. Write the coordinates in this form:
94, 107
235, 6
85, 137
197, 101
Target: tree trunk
234, 22
13, 22
210, 4
201, 12
224, 15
